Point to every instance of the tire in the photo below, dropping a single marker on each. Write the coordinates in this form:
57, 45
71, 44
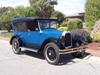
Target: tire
16, 46
79, 54
51, 53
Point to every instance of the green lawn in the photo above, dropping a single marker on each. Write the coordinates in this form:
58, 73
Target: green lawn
6, 35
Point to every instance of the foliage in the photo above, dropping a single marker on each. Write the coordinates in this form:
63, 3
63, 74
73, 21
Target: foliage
25, 12
63, 28
64, 24
96, 37
42, 8
38, 8
11, 13
4, 9
58, 15
92, 12
71, 24
74, 24
6, 35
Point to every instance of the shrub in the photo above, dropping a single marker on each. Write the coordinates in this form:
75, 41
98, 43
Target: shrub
92, 12
96, 37
64, 24
74, 24
63, 28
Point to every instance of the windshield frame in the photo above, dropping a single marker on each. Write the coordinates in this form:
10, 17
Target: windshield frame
49, 26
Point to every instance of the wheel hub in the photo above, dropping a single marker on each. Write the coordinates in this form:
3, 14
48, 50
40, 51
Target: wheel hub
51, 54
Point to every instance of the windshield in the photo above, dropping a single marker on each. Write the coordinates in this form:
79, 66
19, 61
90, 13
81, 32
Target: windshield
48, 24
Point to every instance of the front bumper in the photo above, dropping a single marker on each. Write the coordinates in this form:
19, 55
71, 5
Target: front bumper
72, 50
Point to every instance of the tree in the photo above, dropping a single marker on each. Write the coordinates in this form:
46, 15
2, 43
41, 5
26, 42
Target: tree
5, 18
24, 12
11, 13
58, 15
42, 8
92, 12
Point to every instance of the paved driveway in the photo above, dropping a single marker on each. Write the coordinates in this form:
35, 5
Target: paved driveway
30, 63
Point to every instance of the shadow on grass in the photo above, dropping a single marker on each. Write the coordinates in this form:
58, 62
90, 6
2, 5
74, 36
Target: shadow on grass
64, 59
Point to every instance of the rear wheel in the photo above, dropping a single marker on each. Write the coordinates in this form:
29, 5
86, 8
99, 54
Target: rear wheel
16, 46
51, 53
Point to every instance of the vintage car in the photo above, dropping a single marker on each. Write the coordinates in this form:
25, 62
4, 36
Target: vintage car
41, 35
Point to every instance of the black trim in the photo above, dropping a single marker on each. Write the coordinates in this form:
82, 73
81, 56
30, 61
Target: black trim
47, 41
32, 46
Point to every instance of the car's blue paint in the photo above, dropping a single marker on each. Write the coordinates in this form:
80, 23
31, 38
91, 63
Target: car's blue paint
37, 37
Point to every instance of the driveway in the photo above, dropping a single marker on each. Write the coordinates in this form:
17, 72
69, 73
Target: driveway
29, 63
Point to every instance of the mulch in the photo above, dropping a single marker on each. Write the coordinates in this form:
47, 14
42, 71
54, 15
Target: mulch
94, 49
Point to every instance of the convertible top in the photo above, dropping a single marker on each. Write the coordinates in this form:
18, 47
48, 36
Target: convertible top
29, 19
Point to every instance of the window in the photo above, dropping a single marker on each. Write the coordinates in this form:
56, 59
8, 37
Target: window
32, 26
48, 24
21, 26
26, 26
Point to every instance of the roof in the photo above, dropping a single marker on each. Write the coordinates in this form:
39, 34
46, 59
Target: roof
29, 18
22, 19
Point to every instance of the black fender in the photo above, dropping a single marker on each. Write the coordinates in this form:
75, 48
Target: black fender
48, 41
17, 38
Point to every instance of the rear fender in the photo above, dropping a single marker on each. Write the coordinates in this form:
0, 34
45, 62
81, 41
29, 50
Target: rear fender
15, 37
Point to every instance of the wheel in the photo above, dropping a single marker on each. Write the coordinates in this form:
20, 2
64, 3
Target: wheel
79, 54
16, 46
51, 53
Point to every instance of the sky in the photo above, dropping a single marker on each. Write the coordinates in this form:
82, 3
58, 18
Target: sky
68, 7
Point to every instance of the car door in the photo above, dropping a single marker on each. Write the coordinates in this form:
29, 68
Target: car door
22, 32
34, 37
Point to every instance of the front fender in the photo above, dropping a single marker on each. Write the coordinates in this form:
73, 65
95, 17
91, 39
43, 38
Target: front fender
48, 41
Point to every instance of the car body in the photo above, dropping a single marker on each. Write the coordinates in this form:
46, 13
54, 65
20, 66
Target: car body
41, 35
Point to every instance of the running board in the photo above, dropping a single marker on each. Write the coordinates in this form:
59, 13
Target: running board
29, 49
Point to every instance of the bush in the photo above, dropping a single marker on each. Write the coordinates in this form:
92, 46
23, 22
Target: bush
71, 24
64, 24
92, 12
96, 37
63, 28
74, 24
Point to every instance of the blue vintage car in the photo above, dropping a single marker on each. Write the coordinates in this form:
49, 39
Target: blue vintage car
41, 35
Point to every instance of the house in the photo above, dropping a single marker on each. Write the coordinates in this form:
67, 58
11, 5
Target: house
79, 15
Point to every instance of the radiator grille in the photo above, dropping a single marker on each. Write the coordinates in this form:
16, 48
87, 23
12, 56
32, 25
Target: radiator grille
68, 40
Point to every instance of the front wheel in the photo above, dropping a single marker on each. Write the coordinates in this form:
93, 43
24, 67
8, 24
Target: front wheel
16, 46
51, 53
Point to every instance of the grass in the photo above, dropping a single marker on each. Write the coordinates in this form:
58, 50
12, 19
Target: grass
6, 35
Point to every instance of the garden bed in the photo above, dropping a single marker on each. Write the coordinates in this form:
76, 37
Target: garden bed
94, 46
